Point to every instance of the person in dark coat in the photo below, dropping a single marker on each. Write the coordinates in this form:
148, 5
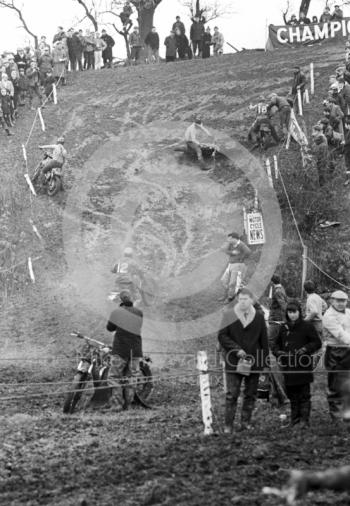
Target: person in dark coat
196, 36
171, 48
179, 25
299, 82
107, 54
243, 335
206, 43
296, 342
183, 45
126, 322
21, 60
152, 43
303, 20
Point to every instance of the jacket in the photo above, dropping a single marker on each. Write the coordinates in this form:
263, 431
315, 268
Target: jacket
171, 46
278, 304
108, 40
250, 335
237, 254
299, 80
178, 25
325, 18
126, 322
75, 45
280, 102
336, 327
197, 30
33, 77
218, 41
45, 63
303, 337
135, 40
152, 40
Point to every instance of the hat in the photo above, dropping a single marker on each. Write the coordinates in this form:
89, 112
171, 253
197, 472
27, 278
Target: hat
234, 235
339, 295
125, 296
318, 127
60, 140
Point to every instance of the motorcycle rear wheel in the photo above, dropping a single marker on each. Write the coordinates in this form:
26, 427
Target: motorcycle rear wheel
144, 389
76, 390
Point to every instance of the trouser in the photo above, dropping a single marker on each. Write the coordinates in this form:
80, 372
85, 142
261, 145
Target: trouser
98, 60
197, 44
300, 402
135, 53
73, 62
34, 91
285, 118
51, 164
230, 276
4, 125
233, 385
337, 363
79, 59
7, 120
194, 147
153, 55
122, 371
107, 56
89, 58
170, 58
277, 387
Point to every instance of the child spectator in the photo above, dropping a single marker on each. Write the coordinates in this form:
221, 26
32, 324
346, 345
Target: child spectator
296, 342
125, 15
15, 81
6, 103
2, 121
23, 86
218, 42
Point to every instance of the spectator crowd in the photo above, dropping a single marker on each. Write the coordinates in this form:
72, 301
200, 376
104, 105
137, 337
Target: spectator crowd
326, 17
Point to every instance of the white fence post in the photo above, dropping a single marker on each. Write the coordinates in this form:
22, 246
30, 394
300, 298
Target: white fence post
268, 170
275, 163
300, 103
202, 366
312, 79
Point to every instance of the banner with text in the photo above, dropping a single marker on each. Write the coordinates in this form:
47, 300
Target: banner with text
287, 36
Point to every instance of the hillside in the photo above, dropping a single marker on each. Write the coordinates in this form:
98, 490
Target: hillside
85, 229
125, 184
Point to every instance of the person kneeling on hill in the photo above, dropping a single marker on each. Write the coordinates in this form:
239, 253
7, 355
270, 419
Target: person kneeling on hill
262, 120
198, 137
58, 157
284, 110
126, 322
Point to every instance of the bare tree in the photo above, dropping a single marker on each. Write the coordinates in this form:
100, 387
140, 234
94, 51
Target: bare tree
285, 12
11, 4
145, 13
209, 9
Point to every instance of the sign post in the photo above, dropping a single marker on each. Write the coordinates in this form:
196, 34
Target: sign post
312, 79
202, 366
256, 231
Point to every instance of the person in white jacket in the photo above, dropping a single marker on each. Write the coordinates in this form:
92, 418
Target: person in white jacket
336, 328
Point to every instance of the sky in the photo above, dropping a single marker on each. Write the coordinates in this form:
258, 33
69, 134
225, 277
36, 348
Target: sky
245, 26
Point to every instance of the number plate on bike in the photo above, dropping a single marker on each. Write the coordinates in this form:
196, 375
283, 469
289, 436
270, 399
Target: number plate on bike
83, 366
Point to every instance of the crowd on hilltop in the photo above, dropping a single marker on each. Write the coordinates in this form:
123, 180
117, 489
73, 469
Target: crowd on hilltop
326, 17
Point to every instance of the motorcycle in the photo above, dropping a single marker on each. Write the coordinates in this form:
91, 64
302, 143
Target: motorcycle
94, 365
52, 180
209, 153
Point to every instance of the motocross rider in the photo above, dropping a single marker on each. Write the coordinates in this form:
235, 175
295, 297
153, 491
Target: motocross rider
262, 120
59, 155
129, 276
196, 137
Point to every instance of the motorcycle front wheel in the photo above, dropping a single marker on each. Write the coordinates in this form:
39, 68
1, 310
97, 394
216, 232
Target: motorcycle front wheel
54, 185
75, 393
144, 388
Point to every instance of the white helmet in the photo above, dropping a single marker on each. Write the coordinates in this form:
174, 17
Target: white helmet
128, 252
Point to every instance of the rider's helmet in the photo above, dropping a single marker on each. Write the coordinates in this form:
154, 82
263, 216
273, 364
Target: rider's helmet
60, 140
263, 110
128, 252
125, 296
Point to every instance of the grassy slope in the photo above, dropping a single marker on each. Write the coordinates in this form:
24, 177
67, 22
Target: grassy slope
96, 106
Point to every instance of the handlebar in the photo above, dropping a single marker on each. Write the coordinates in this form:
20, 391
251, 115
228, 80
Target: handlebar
81, 336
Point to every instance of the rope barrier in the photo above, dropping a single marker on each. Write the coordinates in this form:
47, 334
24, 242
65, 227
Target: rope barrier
328, 275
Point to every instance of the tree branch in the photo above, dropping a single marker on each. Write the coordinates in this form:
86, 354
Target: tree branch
88, 14
10, 4
285, 13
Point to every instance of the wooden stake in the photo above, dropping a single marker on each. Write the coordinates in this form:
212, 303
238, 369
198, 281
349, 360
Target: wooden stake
54, 93
312, 79
43, 128
202, 366
306, 97
24, 151
245, 220
35, 230
275, 164
30, 184
300, 103
224, 382
30, 268
304, 272
268, 170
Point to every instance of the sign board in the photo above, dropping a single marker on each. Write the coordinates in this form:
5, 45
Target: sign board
255, 228
287, 36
